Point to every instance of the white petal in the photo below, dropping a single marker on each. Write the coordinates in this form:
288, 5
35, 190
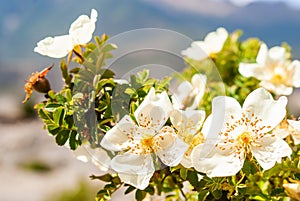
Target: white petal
197, 51
281, 132
207, 125
83, 27
100, 158
56, 47
262, 54
134, 169
276, 55
188, 121
171, 148
215, 40
208, 159
294, 68
115, 139
296, 133
261, 103
183, 91
253, 70
270, 150
278, 89
186, 161
198, 82
154, 111
223, 109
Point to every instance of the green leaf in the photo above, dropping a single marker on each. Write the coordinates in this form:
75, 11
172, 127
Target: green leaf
52, 107
105, 177
203, 195
150, 189
142, 76
73, 142
217, 194
140, 195
183, 173
109, 47
59, 115
62, 137
192, 177
43, 115
129, 190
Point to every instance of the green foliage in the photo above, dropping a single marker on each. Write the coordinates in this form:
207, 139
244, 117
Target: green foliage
91, 102
83, 192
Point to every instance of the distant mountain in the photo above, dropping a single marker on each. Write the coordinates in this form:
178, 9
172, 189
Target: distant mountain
22, 25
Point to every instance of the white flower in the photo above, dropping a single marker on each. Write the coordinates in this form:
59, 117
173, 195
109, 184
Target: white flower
189, 94
187, 124
241, 131
276, 74
139, 142
293, 189
80, 33
288, 127
212, 44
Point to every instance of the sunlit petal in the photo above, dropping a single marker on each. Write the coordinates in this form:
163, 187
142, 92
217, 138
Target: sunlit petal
115, 139
83, 27
271, 150
171, 148
208, 159
296, 131
261, 103
134, 169
197, 51
56, 47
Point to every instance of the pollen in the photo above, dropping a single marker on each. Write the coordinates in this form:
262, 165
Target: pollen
244, 138
277, 78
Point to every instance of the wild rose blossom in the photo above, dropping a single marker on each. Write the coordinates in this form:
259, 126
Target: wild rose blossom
80, 33
273, 70
242, 131
137, 142
212, 44
288, 127
189, 94
188, 124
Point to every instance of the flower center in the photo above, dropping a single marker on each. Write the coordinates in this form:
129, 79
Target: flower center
244, 138
147, 142
193, 140
147, 145
277, 78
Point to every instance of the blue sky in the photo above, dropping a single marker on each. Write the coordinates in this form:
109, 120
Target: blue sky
291, 3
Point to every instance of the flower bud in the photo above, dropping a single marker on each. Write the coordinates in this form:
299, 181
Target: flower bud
42, 85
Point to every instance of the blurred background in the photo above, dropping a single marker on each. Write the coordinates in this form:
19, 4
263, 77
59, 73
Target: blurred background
32, 167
